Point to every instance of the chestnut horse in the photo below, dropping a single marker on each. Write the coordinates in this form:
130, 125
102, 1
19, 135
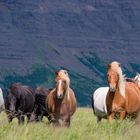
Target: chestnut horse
61, 101
123, 97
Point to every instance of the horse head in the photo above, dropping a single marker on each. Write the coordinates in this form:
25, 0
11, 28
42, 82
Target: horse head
63, 74
11, 99
113, 79
61, 88
116, 78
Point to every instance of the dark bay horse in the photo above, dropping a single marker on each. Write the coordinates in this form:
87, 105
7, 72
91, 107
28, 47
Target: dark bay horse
61, 101
19, 102
123, 97
41, 94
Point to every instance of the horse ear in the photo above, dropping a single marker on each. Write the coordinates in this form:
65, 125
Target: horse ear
56, 73
137, 73
119, 64
109, 66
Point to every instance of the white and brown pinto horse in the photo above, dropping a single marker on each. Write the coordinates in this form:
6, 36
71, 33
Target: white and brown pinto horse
2, 106
99, 103
61, 101
123, 97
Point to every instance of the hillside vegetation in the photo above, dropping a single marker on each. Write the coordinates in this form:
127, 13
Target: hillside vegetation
83, 127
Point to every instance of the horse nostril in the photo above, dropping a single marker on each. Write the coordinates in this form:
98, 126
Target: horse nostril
112, 89
60, 96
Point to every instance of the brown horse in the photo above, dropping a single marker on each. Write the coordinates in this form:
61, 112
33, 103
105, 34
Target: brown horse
61, 101
123, 97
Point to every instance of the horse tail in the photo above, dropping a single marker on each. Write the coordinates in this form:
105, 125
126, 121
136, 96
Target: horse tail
92, 102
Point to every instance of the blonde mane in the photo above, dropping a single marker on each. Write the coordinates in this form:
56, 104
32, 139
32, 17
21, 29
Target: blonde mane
63, 74
115, 66
137, 79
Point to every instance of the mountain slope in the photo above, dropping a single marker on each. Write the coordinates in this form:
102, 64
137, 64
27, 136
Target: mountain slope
82, 36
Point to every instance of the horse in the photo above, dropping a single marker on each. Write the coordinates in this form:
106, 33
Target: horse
41, 94
61, 102
19, 102
123, 97
2, 106
137, 79
99, 103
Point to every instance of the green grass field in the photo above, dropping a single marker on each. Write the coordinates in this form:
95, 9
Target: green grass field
83, 127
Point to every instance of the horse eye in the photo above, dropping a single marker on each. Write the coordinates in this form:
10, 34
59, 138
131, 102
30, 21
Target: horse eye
66, 72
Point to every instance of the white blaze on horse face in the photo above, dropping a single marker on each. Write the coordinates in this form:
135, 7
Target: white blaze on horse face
112, 80
59, 94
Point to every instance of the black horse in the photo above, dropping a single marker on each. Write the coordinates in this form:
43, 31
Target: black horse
20, 101
40, 109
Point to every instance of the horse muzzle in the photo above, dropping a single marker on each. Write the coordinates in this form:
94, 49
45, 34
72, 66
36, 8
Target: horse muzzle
112, 89
59, 96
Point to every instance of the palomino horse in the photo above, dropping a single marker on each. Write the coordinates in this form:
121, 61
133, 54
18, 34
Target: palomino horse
61, 101
123, 97
99, 103
2, 106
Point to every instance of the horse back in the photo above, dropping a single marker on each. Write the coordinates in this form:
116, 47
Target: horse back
25, 97
132, 97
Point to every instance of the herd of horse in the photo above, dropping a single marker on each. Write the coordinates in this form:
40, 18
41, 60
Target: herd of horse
57, 104
121, 99
117, 101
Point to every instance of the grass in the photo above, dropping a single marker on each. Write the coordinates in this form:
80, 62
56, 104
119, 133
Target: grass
83, 127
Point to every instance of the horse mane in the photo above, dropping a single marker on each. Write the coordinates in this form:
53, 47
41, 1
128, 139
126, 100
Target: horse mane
137, 79
115, 66
63, 74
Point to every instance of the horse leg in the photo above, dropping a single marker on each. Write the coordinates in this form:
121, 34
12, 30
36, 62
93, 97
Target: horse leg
20, 117
111, 117
66, 121
53, 121
28, 117
40, 117
99, 119
49, 118
122, 115
10, 118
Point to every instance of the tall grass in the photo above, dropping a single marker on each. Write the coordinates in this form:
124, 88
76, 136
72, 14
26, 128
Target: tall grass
83, 127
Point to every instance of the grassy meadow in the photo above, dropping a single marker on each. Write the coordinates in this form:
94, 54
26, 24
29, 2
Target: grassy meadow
83, 127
